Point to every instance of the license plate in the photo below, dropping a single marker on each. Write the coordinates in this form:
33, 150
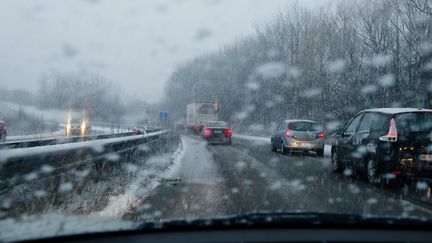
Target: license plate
426, 157
217, 131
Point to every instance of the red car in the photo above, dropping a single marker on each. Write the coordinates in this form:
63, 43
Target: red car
3, 131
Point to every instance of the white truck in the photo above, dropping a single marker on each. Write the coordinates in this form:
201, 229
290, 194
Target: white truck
199, 113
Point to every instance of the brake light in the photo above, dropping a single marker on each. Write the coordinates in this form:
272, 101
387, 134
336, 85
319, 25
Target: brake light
207, 131
227, 131
392, 134
321, 134
288, 133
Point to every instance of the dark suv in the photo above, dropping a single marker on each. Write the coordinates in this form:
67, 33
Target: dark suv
385, 143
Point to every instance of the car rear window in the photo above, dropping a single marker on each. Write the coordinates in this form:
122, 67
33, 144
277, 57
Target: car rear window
304, 126
414, 122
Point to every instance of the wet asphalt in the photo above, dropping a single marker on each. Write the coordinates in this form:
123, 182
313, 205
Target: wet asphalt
222, 180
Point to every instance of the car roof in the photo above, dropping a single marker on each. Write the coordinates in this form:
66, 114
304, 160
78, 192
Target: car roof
396, 110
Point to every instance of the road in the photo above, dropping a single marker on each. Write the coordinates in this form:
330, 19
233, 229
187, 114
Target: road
219, 180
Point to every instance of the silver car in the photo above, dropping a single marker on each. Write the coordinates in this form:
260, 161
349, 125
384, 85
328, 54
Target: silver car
298, 136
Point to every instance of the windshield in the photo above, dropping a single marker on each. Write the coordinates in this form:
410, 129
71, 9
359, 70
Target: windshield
415, 122
117, 113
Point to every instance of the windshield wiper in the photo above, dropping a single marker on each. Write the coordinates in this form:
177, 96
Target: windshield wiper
289, 220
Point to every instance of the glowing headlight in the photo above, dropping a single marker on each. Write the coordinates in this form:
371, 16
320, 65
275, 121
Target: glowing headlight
68, 129
83, 128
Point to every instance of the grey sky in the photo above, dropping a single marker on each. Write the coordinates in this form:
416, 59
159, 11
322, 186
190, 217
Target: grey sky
135, 43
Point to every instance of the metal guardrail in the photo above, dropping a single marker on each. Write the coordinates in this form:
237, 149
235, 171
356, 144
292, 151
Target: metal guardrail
58, 140
16, 163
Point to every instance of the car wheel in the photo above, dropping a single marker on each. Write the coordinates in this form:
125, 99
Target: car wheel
273, 148
283, 149
372, 172
320, 152
336, 163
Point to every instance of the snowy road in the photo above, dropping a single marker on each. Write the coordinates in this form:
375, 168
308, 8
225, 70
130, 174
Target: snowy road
212, 181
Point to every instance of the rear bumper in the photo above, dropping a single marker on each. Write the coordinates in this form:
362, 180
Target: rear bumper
419, 172
314, 145
217, 139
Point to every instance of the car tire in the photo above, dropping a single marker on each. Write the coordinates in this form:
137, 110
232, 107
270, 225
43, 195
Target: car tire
372, 172
336, 163
273, 148
283, 149
320, 152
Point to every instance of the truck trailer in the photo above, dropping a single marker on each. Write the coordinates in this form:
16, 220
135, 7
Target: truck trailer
199, 113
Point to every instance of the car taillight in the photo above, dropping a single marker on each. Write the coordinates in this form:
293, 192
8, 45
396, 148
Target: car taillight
227, 131
207, 131
392, 134
288, 133
321, 134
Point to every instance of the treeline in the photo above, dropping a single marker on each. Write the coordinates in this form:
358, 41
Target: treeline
89, 93
321, 64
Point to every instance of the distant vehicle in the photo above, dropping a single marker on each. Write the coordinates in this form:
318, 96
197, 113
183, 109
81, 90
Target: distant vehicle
179, 127
386, 143
3, 131
78, 127
138, 131
200, 113
298, 136
217, 132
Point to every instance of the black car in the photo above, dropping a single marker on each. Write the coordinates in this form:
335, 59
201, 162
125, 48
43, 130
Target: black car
217, 132
386, 143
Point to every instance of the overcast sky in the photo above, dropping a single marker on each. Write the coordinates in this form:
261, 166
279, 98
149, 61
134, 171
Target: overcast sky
136, 43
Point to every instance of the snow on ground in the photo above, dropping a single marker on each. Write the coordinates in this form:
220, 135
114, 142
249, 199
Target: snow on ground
29, 227
192, 163
148, 178
197, 165
55, 134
